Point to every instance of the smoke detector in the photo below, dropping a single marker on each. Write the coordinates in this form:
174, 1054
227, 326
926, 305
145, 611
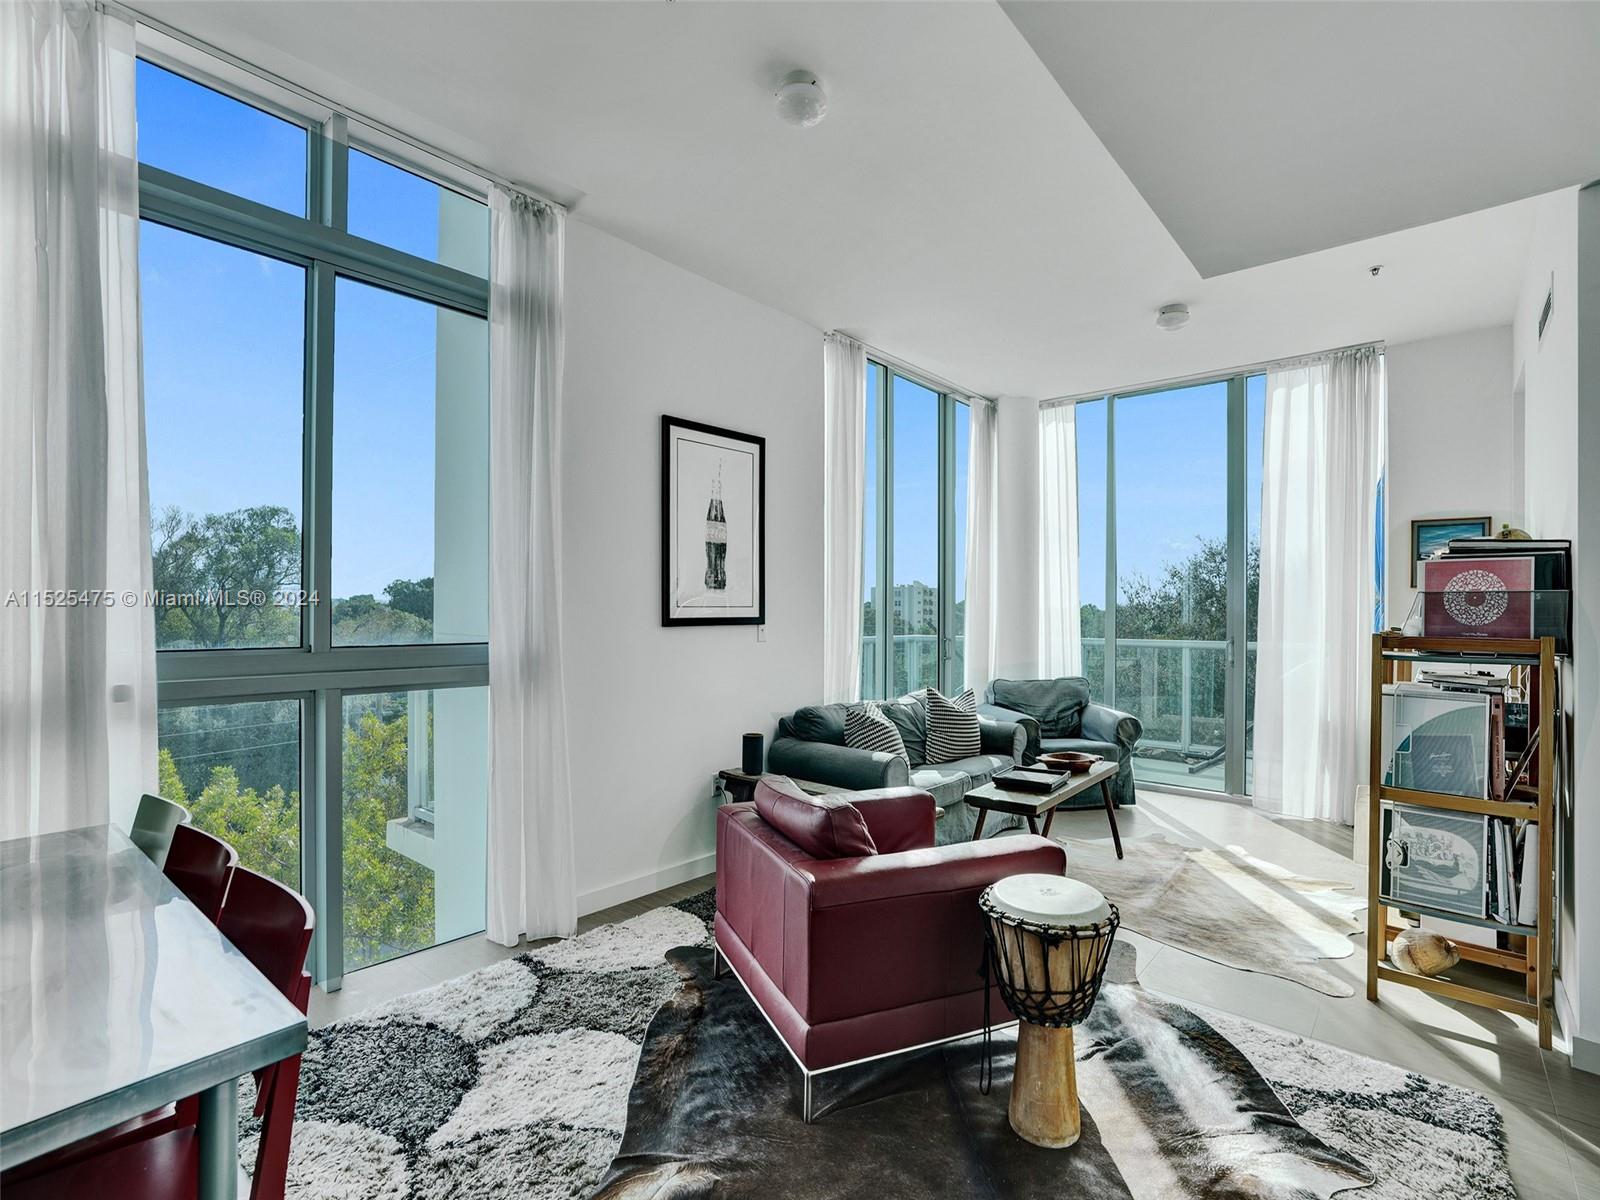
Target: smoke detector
1172, 316
801, 100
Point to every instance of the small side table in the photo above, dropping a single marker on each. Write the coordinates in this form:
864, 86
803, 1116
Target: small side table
738, 787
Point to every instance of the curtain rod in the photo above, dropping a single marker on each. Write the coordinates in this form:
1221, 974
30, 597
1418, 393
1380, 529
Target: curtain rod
1208, 376
915, 373
188, 39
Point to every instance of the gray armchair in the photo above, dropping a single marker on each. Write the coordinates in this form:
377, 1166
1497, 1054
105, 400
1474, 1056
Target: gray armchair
810, 746
1057, 714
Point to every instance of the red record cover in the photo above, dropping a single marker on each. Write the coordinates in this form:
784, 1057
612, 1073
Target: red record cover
1478, 597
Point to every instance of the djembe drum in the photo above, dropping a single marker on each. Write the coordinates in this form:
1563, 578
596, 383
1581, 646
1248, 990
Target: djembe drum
1049, 939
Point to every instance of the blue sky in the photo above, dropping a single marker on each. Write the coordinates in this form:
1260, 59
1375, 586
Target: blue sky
224, 342
916, 484
1172, 474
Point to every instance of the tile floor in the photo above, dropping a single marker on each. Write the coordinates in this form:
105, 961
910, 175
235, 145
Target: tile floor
1552, 1112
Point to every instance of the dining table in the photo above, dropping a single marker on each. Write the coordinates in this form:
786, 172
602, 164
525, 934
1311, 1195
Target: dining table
117, 997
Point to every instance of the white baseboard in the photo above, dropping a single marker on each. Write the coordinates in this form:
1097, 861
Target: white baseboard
643, 885
1584, 1052
1585, 1055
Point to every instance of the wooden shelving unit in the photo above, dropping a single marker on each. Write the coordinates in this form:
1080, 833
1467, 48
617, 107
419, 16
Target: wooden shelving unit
1393, 657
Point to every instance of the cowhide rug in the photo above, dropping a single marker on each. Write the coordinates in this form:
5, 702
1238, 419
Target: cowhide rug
1226, 905
1171, 1109
517, 1081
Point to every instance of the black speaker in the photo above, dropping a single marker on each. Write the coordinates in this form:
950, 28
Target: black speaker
754, 753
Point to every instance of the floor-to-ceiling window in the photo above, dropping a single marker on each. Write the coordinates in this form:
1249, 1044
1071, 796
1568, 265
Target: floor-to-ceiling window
1169, 519
316, 397
914, 585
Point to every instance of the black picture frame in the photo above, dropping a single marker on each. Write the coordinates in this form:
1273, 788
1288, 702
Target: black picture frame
719, 448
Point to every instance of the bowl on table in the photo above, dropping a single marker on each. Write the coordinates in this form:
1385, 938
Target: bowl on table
1075, 761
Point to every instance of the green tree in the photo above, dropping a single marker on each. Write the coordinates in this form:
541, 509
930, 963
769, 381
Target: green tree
1189, 599
169, 783
414, 596
388, 898
363, 621
249, 550
263, 827
1186, 601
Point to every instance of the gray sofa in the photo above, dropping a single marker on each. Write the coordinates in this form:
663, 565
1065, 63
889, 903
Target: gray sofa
1058, 715
810, 745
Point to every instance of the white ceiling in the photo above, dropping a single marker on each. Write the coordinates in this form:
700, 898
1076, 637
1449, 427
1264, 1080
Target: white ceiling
954, 209
1264, 131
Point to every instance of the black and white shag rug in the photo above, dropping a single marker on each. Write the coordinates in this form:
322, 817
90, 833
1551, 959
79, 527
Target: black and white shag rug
515, 1081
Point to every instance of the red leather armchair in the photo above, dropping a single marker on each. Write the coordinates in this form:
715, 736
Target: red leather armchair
852, 958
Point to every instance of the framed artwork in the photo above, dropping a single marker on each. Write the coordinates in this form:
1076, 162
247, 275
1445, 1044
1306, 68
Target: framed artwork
1435, 859
1434, 533
1436, 740
1478, 597
713, 525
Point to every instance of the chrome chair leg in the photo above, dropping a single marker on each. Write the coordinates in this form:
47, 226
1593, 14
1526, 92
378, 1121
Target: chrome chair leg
805, 1104
719, 965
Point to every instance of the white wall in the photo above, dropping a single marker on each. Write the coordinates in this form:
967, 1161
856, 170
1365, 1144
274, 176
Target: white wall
1559, 380
1017, 539
654, 712
1454, 441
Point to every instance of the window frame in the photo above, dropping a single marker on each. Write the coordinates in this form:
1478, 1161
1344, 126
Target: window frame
316, 671
1236, 501
880, 643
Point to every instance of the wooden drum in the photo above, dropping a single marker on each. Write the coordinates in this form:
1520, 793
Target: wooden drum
1049, 939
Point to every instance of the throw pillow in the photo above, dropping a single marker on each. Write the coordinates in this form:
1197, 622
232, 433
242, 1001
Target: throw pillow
822, 826
866, 728
952, 726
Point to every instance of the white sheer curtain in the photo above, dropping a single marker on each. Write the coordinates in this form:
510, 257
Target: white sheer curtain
1060, 631
1322, 460
77, 683
844, 466
979, 632
532, 877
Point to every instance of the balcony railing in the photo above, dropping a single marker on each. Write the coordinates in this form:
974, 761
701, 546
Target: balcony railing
916, 663
1176, 687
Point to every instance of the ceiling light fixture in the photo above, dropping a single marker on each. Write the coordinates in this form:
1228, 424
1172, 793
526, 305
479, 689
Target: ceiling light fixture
1172, 316
801, 100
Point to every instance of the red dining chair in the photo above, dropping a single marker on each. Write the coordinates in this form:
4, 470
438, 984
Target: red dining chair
271, 926
200, 866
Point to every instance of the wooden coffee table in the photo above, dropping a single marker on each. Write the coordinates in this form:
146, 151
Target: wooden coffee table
992, 797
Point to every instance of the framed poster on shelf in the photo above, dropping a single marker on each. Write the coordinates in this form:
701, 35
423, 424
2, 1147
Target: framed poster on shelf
1478, 597
1436, 740
1435, 859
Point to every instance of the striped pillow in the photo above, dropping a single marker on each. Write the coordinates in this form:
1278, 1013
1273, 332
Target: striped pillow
952, 726
867, 728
